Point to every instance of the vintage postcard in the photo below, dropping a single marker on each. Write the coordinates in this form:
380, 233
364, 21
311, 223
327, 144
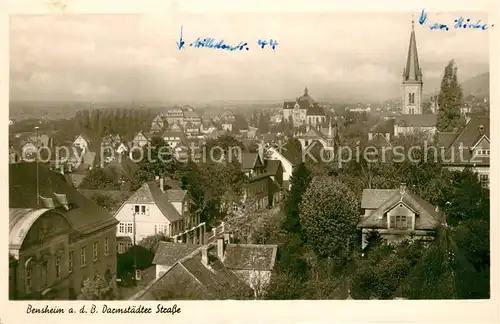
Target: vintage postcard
278, 161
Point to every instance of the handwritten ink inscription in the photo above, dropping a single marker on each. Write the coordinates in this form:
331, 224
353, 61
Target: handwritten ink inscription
459, 23
213, 43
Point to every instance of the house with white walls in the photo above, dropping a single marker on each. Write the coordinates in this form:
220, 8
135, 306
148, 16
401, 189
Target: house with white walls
273, 154
157, 207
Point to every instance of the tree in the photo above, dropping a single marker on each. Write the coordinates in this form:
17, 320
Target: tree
97, 179
450, 101
107, 202
328, 216
151, 242
97, 288
301, 177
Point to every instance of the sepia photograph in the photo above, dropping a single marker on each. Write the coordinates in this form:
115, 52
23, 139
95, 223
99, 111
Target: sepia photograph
248, 156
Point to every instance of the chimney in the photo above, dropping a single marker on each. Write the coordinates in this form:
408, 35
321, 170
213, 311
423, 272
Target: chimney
162, 185
204, 255
370, 136
47, 202
402, 188
437, 209
220, 248
388, 136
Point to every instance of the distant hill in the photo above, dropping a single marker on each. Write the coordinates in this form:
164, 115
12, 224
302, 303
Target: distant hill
478, 86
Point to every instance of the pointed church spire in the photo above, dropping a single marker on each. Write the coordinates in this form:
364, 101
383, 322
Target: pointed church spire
306, 92
412, 72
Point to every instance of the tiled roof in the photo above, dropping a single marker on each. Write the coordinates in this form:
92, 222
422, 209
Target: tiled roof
288, 104
445, 139
250, 256
315, 110
428, 217
426, 120
150, 192
169, 253
373, 198
83, 215
248, 160
468, 137
312, 133
189, 278
272, 166
176, 194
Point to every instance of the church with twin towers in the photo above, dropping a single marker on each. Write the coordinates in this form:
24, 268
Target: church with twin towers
412, 117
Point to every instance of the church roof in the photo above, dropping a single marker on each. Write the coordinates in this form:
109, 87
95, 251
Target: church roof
412, 71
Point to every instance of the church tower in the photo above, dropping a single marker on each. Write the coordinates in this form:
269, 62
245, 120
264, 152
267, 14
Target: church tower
412, 79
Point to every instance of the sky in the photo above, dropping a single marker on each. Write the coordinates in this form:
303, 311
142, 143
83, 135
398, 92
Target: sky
338, 56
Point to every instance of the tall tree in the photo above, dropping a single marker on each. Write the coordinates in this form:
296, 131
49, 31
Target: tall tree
450, 100
328, 216
301, 177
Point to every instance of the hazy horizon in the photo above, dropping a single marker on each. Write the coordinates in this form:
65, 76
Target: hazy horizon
125, 58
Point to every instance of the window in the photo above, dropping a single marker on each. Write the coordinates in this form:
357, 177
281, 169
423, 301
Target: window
130, 228
400, 222
28, 280
411, 98
44, 271
129, 245
140, 209
106, 246
83, 260
121, 247
121, 228
95, 250
484, 179
58, 267
70, 261
483, 152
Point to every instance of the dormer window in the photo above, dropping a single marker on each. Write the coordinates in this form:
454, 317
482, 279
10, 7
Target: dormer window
400, 222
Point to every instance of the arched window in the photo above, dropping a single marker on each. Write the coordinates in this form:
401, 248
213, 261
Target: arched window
411, 98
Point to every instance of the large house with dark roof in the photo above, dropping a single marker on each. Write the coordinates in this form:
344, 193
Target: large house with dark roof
397, 214
412, 119
159, 206
304, 110
219, 270
57, 236
468, 148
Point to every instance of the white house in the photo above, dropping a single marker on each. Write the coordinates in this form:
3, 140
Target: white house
157, 207
274, 154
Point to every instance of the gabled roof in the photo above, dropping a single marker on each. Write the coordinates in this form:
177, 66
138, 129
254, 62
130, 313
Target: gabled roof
250, 256
315, 110
379, 140
197, 280
428, 217
168, 253
426, 120
272, 166
150, 193
250, 160
464, 141
84, 215
312, 133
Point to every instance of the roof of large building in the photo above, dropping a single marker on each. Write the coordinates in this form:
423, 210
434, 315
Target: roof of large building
82, 213
272, 166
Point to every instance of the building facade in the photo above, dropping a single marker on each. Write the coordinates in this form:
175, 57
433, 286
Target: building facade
56, 240
304, 110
